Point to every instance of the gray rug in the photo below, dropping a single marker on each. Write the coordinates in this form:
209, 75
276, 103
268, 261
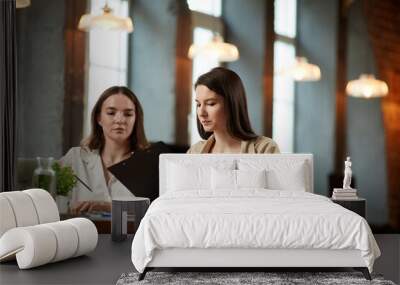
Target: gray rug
229, 278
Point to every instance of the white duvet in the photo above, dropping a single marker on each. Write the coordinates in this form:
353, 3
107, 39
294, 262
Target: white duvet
250, 219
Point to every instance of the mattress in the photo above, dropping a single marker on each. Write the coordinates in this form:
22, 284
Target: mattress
252, 219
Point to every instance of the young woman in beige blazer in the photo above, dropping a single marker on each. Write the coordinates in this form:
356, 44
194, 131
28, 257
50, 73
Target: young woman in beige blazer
222, 116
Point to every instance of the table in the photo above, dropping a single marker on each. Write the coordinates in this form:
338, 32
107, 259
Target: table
121, 210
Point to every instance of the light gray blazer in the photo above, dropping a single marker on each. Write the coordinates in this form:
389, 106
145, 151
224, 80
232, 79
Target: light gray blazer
88, 167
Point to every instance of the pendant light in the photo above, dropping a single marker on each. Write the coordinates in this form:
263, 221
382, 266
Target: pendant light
302, 70
216, 48
367, 86
106, 21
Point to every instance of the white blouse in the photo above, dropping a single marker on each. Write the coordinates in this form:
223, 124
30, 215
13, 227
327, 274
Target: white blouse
87, 165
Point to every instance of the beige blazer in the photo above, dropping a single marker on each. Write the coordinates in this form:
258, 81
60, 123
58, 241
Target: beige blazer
87, 165
258, 145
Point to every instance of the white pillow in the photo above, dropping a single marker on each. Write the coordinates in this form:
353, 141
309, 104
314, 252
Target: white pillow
251, 178
183, 178
187, 175
223, 179
293, 180
236, 179
282, 174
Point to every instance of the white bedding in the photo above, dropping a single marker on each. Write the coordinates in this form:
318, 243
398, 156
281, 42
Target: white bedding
251, 218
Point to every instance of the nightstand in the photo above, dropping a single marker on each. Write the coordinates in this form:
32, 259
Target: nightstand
357, 205
121, 210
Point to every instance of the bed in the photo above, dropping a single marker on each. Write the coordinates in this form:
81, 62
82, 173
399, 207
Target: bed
247, 210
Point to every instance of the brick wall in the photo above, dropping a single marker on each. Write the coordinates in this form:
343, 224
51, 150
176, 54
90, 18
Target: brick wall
383, 20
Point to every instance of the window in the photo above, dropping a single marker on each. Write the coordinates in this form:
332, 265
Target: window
285, 18
210, 7
107, 54
206, 23
284, 55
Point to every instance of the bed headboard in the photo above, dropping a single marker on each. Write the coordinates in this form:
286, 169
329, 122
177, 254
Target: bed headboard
302, 164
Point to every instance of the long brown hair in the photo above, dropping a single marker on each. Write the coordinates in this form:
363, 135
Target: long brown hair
96, 138
228, 84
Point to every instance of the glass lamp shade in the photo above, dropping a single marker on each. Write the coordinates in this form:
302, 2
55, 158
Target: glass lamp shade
106, 21
216, 48
22, 3
302, 70
366, 86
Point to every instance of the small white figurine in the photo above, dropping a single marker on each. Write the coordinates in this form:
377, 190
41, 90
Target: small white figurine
347, 174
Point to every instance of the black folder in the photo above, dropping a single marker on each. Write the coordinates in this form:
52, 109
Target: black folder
139, 173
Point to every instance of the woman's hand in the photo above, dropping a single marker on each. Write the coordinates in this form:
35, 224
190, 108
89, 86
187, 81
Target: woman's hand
90, 206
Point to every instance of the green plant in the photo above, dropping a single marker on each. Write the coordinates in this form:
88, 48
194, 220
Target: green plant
65, 179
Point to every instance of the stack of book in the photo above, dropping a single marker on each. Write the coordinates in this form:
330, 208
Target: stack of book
344, 194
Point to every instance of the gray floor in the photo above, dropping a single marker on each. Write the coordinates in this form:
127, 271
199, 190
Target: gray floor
110, 260
389, 262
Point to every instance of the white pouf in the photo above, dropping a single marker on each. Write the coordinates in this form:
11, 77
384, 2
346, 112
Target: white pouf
31, 232
40, 244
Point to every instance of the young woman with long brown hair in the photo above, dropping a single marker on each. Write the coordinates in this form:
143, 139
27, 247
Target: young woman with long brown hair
222, 116
116, 132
